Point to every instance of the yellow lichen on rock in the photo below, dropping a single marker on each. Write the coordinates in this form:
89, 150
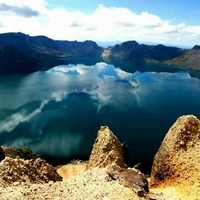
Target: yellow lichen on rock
177, 162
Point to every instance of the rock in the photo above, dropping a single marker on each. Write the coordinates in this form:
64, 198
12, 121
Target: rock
29, 171
2, 155
23, 153
71, 170
139, 166
177, 162
16, 183
107, 150
129, 178
105, 198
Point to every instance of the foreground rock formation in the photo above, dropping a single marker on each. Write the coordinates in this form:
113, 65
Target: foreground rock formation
177, 163
108, 153
71, 170
105, 178
92, 184
26, 171
107, 150
129, 178
23, 153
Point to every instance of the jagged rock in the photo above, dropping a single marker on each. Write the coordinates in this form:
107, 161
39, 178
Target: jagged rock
23, 153
129, 178
29, 171
107, 150
2, 155
177, 162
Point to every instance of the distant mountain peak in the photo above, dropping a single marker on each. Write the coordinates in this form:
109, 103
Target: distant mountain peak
196, 47
129, 43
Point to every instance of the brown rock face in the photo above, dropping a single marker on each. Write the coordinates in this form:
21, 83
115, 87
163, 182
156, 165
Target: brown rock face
129, 178
23, 153
177, 162
30, 171
107, 150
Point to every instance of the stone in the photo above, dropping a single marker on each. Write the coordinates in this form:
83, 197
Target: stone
71, 170
23, 153
107, 150
17, 170
177, 162
105, 198
129, 178
16, 183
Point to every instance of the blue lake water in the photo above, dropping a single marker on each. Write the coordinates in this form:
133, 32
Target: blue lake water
57, 113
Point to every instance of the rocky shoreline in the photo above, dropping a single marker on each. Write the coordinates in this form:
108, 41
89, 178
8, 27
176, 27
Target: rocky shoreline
174, 175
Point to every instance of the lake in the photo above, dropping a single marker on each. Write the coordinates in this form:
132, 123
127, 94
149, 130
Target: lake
57, 113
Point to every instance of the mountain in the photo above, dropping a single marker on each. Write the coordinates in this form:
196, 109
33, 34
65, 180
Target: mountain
37, 50
12, 61
138, 53
190, 59
44, 47
131, 50
21, 53
196, 47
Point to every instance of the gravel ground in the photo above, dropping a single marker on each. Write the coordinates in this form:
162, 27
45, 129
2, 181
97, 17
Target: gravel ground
92, 184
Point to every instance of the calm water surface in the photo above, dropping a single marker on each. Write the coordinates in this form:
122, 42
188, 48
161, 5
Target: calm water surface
57, 113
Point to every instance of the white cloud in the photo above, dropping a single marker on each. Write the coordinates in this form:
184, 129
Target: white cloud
104, 24
11, 122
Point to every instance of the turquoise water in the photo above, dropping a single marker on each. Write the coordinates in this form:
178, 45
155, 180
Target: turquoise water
57, 113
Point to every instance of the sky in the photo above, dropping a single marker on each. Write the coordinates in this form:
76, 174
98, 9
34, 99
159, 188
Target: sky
174, 22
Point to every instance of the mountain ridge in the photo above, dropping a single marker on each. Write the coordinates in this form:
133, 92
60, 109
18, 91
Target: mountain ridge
34, 50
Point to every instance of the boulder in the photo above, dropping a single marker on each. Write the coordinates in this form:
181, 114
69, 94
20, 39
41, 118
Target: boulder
129, 178
177, 162
107, 150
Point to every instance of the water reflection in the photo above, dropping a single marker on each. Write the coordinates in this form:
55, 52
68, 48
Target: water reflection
57, 113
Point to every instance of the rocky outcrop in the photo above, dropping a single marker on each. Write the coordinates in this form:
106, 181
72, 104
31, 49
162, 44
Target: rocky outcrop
27, 171
129, 178
177, 162
107, 150
94, 184
23, 153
